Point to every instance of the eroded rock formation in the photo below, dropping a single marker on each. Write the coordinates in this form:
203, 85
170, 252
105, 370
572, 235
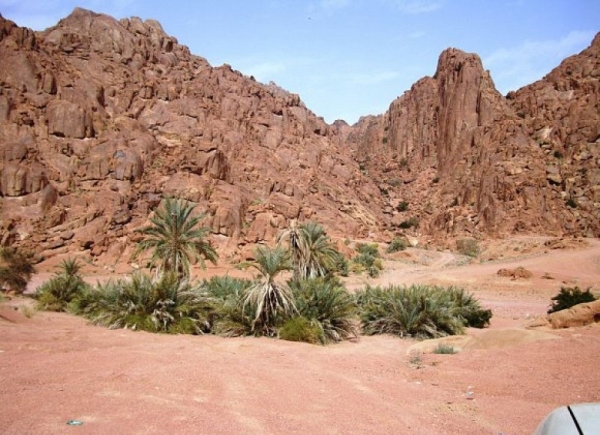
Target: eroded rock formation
101, 118
489, 164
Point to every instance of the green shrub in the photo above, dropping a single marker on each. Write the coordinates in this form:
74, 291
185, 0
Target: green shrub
569, 297
444, 349
396, 245
469, 308
368, 258
16, 269
571, 203
166, 305
229, 318
403, 206
327, 303
469, 247
299, 328
368, 249
342, 266
410, 223
223, 287
63, 288
416, 311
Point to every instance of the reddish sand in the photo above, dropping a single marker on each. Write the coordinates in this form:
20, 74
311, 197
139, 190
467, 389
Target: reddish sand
56, 367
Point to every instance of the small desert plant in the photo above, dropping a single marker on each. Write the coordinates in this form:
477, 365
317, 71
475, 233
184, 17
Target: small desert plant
415, 311
416, 360
368, 258
63, 288
327, 303
469, 247
412, 222
342, 266
16, 268
571, 203
27, 311
403, 206
300, 328
569, 297
444, 349
469, 308
396, 245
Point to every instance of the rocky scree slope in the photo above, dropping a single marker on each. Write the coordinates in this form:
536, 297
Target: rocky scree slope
100, 119
490, 165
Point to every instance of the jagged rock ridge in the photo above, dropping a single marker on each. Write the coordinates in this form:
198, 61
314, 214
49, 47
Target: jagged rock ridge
489, 164
100, 119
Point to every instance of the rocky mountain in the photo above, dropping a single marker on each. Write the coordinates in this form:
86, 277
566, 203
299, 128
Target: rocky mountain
455, 154
101, 118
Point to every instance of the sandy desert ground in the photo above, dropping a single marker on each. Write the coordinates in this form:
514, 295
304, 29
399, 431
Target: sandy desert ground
56, 367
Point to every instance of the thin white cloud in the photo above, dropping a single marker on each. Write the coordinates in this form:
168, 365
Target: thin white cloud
518, 66
414, 7
334, 4
269, 68
417, 35
265, 71
371, 78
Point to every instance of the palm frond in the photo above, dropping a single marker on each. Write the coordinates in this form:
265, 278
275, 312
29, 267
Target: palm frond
175, 238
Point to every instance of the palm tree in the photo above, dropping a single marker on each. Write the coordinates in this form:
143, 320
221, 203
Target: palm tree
15, 269
175, 239
313, 253
320, 255
65, 286
269, 298
296, 239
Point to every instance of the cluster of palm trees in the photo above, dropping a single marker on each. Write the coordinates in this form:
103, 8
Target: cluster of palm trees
176, 240
296, 294
310, 254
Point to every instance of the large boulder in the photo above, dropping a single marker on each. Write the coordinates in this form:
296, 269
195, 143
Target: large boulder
579, 315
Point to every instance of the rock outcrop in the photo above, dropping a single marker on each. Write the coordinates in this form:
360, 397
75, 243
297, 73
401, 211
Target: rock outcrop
489, 164
102, 118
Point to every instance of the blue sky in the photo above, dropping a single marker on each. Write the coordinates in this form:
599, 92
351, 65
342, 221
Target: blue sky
348, 58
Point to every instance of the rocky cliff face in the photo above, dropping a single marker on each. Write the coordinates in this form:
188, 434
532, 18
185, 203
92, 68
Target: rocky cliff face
459, 157
99, 119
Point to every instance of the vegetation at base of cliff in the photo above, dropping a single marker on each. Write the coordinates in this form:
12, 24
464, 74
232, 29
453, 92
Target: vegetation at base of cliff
63, 288
397, 244
16, 269
419, 311
569, 297
367, 259
312, 305
176, 238
469, 247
